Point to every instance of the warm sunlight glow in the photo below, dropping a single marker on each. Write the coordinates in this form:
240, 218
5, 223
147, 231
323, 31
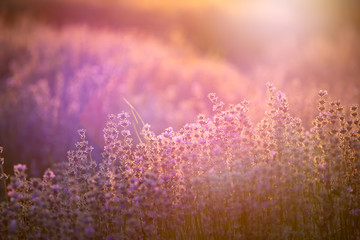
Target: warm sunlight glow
173, 5
179, 119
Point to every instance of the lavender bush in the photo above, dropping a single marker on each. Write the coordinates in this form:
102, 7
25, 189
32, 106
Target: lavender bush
56, 80
221, 177
53, 82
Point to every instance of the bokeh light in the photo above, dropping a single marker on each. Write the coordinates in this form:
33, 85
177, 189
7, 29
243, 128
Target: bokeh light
165, 57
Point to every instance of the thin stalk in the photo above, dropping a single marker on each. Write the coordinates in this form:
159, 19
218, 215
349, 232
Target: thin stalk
135, 113
4, 182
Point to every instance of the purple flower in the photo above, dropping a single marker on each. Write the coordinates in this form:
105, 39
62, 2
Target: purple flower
20, 168
89, 231
89, 149
56, 187
49, 175
355, 212
13, 225
125, 133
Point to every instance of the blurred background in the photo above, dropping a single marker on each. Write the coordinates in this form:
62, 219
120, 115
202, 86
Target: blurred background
66, 64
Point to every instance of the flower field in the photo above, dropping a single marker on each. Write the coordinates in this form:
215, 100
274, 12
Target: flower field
203, 119
221, 177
